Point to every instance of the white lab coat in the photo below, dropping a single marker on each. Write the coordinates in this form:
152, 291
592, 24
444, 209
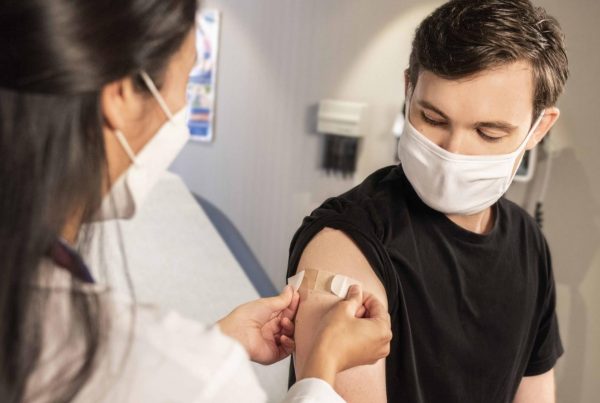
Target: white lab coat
169, 359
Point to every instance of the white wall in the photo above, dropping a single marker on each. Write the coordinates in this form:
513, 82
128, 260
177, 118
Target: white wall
280, 57
277, 60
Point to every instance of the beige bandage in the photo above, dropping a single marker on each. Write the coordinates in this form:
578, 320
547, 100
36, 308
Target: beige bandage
322, 281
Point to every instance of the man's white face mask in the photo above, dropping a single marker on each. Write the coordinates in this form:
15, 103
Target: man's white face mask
453, 183
129, 191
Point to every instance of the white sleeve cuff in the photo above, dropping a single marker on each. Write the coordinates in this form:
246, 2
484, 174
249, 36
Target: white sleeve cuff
312, 390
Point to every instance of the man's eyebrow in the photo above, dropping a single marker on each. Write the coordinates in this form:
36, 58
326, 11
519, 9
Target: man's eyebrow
499, 125
427, 105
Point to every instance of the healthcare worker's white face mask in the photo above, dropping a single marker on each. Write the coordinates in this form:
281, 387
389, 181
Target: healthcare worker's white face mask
454, 183
129, 191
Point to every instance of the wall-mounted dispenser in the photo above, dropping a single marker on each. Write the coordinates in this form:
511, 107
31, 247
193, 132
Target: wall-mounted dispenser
343, 124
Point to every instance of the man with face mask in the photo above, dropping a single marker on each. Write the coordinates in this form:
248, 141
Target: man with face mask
467, 274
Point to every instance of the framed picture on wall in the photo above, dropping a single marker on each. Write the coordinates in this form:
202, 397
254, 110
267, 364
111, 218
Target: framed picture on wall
201, 90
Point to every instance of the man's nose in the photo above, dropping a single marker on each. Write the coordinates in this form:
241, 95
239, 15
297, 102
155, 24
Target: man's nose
454, 142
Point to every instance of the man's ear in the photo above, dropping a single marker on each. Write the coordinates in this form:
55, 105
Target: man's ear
119, 102
551, 115
406, 82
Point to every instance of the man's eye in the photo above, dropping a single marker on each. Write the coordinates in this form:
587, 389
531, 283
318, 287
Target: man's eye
430, 121
490, 139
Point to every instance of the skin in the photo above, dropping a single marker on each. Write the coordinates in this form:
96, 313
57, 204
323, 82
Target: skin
264, 327
496, 103
334, 251
538, 389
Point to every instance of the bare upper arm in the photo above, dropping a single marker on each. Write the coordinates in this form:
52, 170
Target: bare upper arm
334, 251
537, 389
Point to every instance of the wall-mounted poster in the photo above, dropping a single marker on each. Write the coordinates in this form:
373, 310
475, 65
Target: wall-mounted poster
203, 78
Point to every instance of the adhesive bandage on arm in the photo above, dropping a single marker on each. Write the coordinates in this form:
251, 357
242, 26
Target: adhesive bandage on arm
322, 281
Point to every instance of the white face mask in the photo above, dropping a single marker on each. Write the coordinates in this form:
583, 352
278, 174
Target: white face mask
453, 183
129, 191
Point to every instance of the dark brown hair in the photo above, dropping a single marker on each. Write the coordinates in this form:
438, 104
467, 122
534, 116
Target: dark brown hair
464, 37
56, 56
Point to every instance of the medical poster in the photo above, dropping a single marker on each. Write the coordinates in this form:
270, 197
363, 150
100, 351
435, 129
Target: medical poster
203, 78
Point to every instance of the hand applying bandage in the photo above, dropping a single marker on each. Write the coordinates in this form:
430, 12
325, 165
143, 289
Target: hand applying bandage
355, 331
264, 327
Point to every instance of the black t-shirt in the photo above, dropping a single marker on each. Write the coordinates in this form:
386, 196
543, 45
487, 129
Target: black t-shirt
471, 314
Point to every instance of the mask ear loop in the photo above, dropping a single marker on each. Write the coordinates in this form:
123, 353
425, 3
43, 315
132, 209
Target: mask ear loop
524, 145
123, 141
532, 130
407, 101
161, 102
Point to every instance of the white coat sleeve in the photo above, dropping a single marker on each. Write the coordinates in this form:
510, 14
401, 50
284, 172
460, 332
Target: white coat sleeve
197, 360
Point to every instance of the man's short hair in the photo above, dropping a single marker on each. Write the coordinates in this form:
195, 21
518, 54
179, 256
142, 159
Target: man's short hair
464, 37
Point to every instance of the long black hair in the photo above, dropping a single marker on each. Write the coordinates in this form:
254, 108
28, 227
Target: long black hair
55, 58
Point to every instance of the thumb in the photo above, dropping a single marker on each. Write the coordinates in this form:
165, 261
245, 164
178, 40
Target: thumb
281, 301
354, 297
375, 308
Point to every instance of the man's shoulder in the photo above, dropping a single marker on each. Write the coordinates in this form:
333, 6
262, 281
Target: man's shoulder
375, 182
364, 207
373, 195
380, 185
522, 223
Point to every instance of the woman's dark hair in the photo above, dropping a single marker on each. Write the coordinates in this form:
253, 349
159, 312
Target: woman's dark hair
464, 37
55, 58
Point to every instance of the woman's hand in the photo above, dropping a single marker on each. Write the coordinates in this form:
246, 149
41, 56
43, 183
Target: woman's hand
264, 327
354, 332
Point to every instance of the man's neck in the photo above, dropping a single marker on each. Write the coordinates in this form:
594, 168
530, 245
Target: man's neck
480, 223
